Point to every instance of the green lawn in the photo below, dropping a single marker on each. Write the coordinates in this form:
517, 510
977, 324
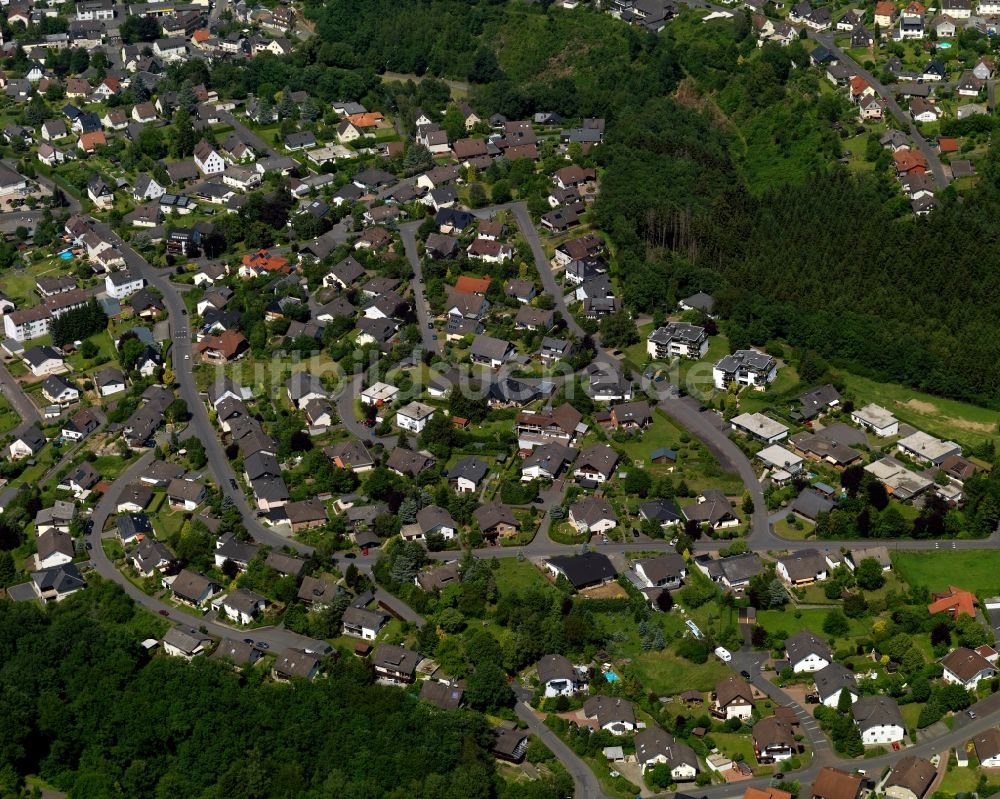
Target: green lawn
792, 533
958, 780
519, 575
949, 419
9, 418
167, 523
106, 353
791, 621
667, 674
975, 570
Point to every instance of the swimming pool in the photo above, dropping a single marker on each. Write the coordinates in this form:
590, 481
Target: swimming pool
66, 255
610, 676
944, 45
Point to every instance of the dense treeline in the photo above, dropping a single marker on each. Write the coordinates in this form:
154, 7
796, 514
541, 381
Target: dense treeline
519, 58
87, 709
831, 262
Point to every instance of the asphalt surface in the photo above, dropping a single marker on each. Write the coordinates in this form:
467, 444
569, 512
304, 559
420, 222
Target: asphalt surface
761, 536
277, 638
431, 341
941, 177
543, 266
20, 401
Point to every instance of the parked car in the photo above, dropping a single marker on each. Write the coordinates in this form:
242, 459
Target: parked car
723, 654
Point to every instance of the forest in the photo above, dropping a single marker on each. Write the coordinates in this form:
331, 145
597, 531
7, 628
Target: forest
718, 173
90, 712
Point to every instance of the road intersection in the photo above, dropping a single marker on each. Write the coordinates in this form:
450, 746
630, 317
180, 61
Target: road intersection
686, 412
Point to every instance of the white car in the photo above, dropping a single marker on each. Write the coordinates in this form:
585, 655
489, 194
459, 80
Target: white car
723, 654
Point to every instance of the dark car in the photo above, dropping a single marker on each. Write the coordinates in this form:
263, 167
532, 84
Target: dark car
350, 555
779, 776
184, 312
164, 612
263, 645
745, 675
232, 482
248, 641
88, 527
88, 545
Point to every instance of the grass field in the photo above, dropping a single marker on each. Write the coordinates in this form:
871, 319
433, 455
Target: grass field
666, 673
792, 533
519, 575
959, 780
9, 418
808, 619
944, 418
975, 570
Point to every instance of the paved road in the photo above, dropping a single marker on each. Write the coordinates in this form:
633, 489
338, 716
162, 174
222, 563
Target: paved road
200, 425
20, 401
586, 782
277, 638
543, 266
424, 319
941, 177
246, 134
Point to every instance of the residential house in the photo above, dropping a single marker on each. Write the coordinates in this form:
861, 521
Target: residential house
467, 474
363, 623
582, 571
192, 588
773, 740
58, 391
558, 677
745, 368
414, 416
879, 720
665, 571
677, 339
733, 699
593, 515
663, 511
910, 778
832, 783
27, 444
547, 461
185, 494
802, 567
596, 464
395, 665
966, 667
53, 548
243, 606
876, 419
614, 715
760, 427
987, 746
496, 521
807, 652
654, 746
185, 642
831, 681
295, 664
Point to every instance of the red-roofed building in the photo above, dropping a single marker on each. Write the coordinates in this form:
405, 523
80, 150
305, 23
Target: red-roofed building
262, 262
89, 142
909, 162
947, 145
955, 603
473, 285
860, 88
231, 344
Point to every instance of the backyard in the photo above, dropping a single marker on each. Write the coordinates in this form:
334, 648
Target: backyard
975, 570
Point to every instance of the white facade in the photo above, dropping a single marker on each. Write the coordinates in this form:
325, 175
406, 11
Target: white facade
414, 417
883, 734
120, 290
810, 663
